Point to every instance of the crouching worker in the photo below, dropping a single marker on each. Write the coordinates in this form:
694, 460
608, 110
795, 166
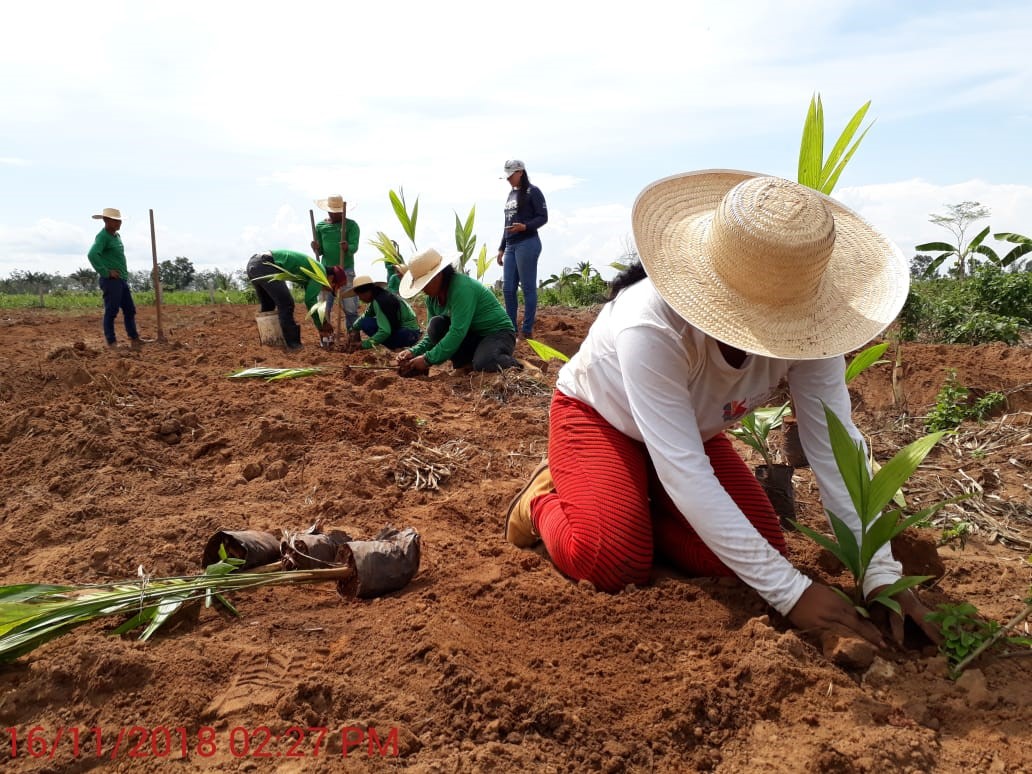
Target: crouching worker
743, 281
274, 294
388, 320
467, 324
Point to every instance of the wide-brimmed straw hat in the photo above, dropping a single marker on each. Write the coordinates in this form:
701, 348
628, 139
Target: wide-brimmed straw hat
767, 265
360, 281
331, 204
109, 212
421, 269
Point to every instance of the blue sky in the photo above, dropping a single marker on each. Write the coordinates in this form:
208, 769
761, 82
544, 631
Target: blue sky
229, 119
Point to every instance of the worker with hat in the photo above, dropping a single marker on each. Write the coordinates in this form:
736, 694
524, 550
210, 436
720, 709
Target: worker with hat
107, 256
388, 320
335, 244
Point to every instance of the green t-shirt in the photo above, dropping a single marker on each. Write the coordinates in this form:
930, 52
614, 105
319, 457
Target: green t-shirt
328, 236
406, 319
108, 253
393, 278
292, 261
472, 307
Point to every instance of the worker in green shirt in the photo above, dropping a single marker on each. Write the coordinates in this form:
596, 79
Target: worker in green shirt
107, 256
335, 243
467, 323
388, 319
274, 293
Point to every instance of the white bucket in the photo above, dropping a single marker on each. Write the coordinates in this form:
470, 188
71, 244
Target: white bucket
270, 332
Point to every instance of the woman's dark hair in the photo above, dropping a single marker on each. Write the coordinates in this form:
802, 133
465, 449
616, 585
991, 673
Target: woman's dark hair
521, 194
632, 274
447, 273
389, 304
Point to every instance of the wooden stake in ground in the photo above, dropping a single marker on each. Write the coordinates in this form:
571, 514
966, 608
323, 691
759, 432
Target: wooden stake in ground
343, 241
156, 275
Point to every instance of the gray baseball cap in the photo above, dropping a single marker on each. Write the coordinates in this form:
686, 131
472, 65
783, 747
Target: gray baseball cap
514, 165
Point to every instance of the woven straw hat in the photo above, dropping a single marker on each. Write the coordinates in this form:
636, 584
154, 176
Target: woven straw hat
767, 265
421, 269
109, 212
360, 280
331, 204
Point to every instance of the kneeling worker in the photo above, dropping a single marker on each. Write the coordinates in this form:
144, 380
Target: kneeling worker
388, 319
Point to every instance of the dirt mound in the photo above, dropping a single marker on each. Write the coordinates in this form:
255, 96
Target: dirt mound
489, 659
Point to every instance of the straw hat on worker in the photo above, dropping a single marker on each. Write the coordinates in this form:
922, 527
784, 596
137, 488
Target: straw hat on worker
362, 282
331, 204
111, 213
767, 265
421, 270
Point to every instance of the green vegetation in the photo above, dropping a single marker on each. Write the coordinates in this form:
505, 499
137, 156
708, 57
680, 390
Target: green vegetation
579, 286
866, 359
754, 429
990, 305
275, 374
966, 634
956, 222
870, 495
32, 614
954, 404
814, 170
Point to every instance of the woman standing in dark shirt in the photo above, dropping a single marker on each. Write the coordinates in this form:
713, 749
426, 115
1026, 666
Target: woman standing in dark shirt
525, 213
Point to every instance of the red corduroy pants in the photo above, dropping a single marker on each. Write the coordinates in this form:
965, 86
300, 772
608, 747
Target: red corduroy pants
609, 513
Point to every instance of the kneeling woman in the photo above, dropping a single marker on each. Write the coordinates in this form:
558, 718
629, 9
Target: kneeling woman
467, 323
388, 320
744, 281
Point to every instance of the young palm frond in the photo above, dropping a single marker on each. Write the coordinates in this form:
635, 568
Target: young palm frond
32, 614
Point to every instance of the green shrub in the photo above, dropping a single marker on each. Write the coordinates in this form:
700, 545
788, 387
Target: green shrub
953, 405
991, 305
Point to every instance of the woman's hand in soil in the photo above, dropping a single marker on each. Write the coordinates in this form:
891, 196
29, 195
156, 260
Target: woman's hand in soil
913, 608
820, 609
404, 355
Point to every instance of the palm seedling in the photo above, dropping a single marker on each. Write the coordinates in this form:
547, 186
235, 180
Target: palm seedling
870, 495
32, 613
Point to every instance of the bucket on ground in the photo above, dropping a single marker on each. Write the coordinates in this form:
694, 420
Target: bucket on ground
270, 332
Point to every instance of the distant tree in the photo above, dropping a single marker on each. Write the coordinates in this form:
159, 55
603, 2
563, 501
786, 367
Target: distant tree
919, 265
177, 274
213, 280
140, 281
84, 278
37, 282
956, 221
585, 270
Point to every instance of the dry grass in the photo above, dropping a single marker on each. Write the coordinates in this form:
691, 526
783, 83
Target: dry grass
427, 467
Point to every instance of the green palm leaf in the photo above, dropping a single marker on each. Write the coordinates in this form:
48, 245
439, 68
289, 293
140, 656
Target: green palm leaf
865, 360
895, 472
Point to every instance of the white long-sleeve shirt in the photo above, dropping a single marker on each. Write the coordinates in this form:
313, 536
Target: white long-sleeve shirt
657, 379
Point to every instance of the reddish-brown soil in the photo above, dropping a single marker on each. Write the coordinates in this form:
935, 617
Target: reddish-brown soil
489, 660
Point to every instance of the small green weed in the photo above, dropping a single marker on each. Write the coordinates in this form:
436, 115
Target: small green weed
953, 405
963, 630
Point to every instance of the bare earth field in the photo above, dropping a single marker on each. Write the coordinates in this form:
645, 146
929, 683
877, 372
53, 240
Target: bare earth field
489, 660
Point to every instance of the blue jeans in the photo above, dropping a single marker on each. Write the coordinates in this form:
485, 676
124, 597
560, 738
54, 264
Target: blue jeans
519, 266
118, 296
405, 337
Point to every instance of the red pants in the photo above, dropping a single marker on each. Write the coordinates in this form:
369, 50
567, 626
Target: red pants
609, 512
